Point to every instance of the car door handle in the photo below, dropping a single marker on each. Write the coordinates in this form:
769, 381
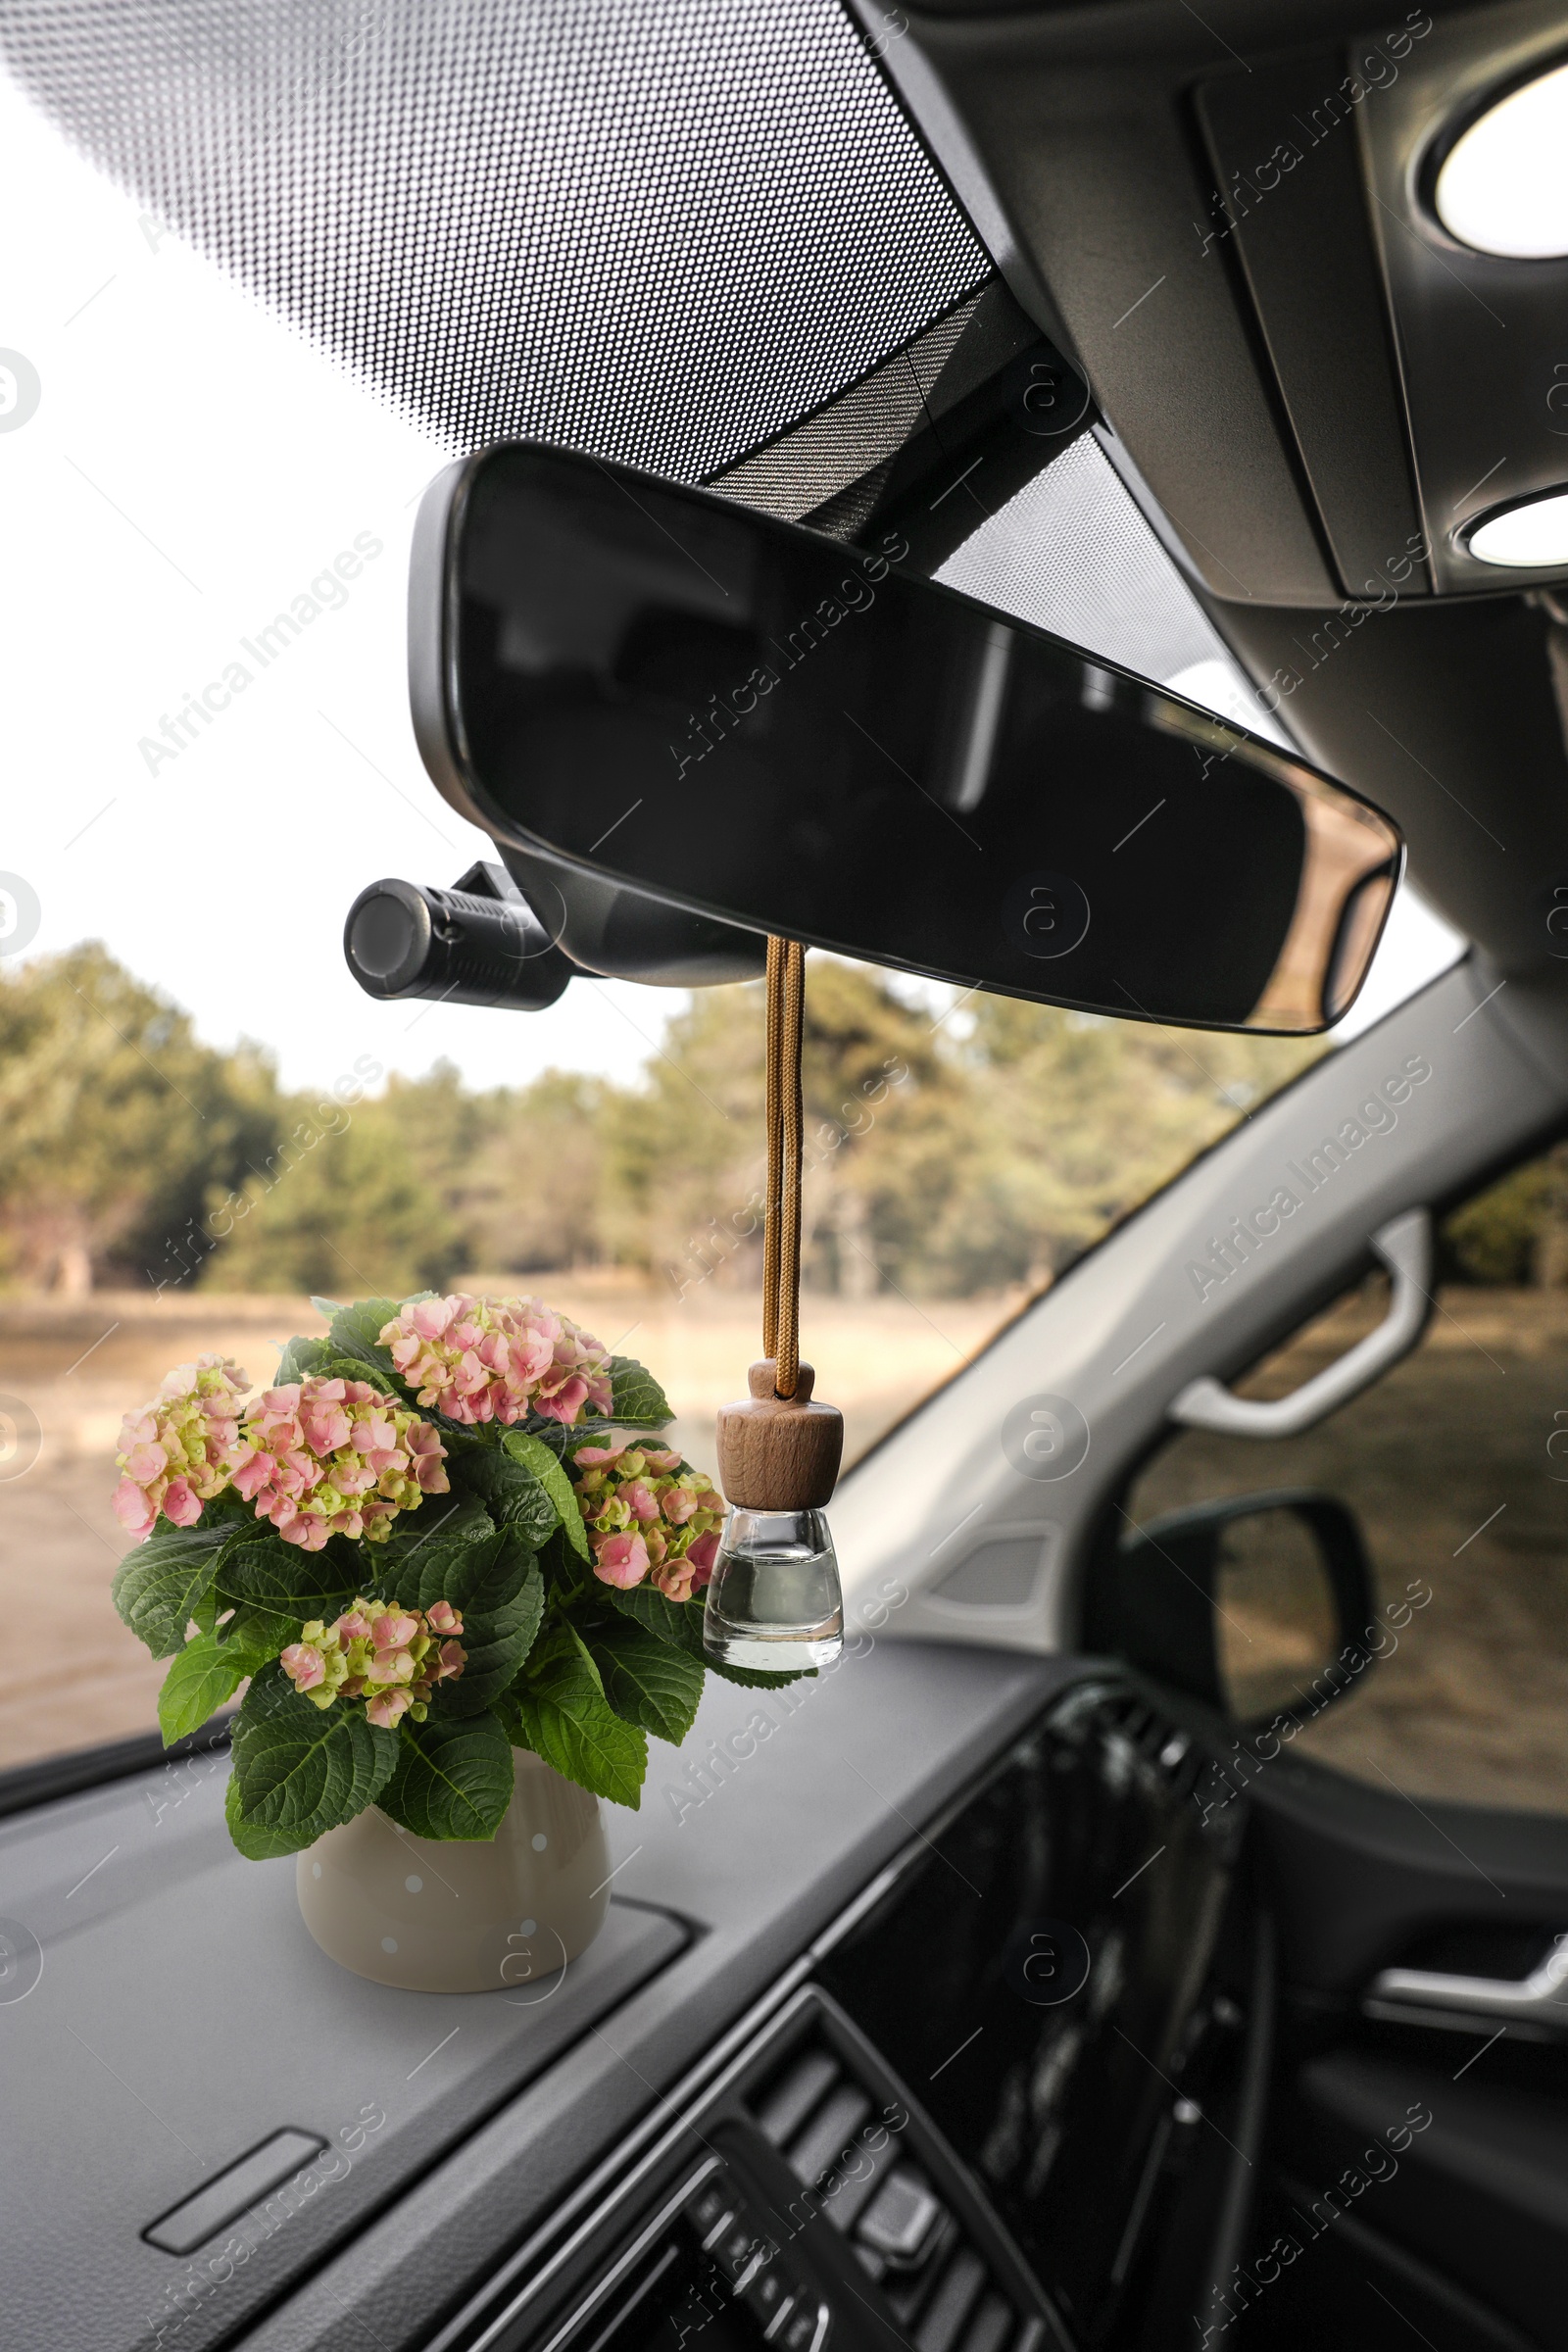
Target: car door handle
1405, 1249
1539, 1999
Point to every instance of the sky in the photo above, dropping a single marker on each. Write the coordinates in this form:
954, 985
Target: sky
176, 466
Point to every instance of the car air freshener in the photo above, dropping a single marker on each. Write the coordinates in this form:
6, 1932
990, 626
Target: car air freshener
775, 1599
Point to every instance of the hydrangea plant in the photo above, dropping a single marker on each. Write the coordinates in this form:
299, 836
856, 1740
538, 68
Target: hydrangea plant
446, 1531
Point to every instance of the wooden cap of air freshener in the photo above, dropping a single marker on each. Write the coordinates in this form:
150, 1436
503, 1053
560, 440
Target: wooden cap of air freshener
779, 1453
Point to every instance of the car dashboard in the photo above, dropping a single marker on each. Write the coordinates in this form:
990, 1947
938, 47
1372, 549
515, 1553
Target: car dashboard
925, 2015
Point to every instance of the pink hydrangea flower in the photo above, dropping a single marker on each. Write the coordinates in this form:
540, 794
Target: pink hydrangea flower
181, 1503
323, 1458
682, 1579
390, 1658
702, 1552
649, 1517
179, 1451
499, 1359
621, 1560
304, 1665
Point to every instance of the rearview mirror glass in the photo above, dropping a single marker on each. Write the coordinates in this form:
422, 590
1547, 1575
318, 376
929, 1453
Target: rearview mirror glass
628, 681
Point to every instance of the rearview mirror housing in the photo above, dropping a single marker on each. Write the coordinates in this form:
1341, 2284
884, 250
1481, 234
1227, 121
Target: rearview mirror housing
650, 694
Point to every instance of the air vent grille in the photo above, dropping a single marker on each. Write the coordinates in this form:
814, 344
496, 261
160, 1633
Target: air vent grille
857, 2154
1171, 1752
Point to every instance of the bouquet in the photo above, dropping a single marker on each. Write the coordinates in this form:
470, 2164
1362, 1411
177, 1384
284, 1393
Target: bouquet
445, 1531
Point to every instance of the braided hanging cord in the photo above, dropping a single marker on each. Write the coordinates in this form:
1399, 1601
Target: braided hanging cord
781, 1239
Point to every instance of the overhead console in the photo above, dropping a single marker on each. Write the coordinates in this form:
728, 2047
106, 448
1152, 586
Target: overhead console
1232, 218
1339, 402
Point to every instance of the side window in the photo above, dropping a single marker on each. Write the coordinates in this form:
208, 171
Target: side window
1456, 1465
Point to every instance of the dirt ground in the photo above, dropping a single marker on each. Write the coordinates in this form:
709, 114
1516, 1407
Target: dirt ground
69, 1371
1446, 1466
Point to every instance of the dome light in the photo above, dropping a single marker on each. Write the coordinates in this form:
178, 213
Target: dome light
1527, 537
1503, 187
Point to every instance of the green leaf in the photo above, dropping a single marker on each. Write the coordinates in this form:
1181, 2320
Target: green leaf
475, 1577
442, 1523
226, 1513
255, 1844
453, 1778
276, 1587
268, 1573
300, 1358
356, 1331
754, 1678
160, 1580
301, 1770
204, 1616
557, 1708
495, 1645
679, 1623
513, 1494
648, 1682
501, 1593
323, 1359
535, 1455
256, 1634
204, 1675
574, 1638
637, 1402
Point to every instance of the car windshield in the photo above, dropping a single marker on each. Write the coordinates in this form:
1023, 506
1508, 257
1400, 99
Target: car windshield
211, 477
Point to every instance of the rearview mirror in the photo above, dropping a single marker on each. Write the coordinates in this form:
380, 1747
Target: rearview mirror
1249, 1606
652, 697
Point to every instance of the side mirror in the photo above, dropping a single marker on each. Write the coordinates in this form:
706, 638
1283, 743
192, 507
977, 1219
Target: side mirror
1245, 1604
655, 699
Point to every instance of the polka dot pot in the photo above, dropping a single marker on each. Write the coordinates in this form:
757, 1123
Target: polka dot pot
435, 1917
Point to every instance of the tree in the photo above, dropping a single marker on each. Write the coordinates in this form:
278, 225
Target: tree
890, 1132
684, 1154
1516, 1231
341, 1209
883, 1139
530, 1198
115, 1125
979, 1150
1077, 1119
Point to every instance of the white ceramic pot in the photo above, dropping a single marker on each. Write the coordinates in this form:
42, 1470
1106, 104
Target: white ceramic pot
462, 1917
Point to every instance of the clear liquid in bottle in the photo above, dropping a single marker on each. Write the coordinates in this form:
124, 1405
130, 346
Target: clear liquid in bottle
774, 1603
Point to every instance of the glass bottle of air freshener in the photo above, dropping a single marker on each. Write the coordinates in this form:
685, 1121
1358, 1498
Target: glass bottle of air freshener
774, 1600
